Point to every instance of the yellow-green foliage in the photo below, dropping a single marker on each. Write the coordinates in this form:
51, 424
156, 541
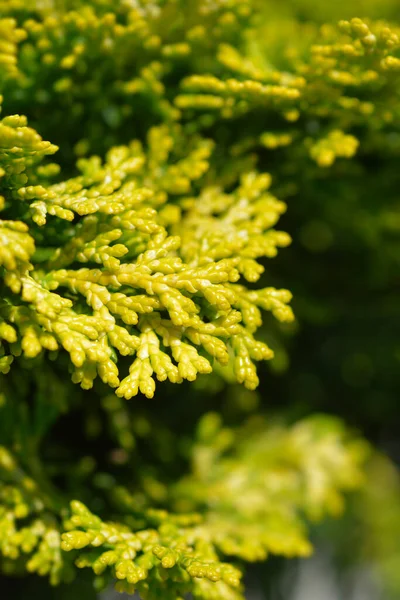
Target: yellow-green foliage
141, 254
149, 294
246, 497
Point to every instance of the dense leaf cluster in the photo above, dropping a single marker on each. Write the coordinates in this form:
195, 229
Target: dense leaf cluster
135, 246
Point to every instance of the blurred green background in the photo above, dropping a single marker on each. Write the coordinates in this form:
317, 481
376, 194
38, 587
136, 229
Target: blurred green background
343, 355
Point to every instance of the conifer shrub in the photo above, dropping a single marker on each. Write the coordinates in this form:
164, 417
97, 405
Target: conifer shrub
148, 151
